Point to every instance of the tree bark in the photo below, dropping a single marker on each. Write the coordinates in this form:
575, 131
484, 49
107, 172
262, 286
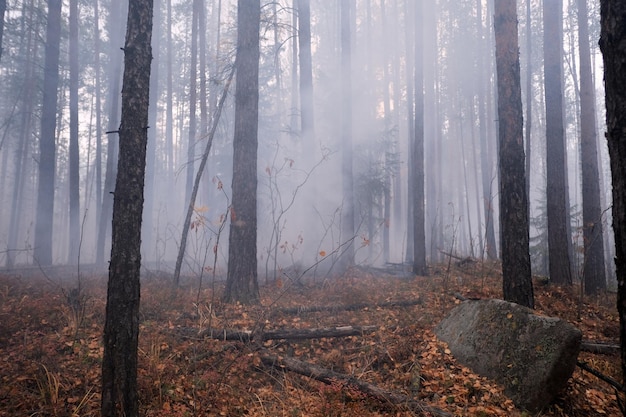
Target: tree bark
613, 47
556, 164
516, 274
242, 282
47, 141
594, 271
121, 328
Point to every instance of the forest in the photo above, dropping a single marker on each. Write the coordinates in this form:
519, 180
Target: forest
239, 157
300, 197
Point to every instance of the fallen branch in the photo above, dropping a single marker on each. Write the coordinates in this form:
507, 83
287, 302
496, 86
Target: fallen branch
599, 348
461, 261
600, 375
350, 307
289, 334
328, 376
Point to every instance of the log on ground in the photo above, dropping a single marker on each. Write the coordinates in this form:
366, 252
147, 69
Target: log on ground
328, 376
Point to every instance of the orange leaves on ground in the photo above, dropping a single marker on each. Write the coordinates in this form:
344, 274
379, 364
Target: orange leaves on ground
181, 375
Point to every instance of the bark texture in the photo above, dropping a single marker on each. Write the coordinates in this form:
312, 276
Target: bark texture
241, 282
121, 328
516, 274
613, 46
594, 271
556, 163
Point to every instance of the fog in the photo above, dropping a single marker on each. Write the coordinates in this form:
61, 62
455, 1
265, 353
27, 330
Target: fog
300, 195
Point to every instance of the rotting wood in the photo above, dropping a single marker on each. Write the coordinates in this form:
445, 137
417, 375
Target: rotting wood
348, 382
349, 307
290, 334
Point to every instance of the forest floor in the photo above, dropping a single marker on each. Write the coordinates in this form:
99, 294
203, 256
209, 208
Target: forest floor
51, 349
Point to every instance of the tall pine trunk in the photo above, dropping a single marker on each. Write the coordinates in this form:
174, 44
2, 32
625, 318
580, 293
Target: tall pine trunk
347, 218
557, 198
121, 327
612, 40
516, 274
594, 271
47, 140
74, 175
242, 281
417, 150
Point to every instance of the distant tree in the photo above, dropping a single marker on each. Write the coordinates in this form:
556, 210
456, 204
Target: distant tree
347, 217
47, 140
242, 282
121, 327
306, 72
594, 271
74, 168
417, 149
612, 41
485, 154
98, 110
193, 94
24, 136
556, 163
516, 274
113, 102
151, 150
3, 8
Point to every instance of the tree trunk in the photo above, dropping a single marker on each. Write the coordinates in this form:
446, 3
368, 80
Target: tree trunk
594, 271
115, 71
74, 176
485, 161
153, 134
417, 153
409, 37
22, 154
47, 140
306, 74
191, 145
241, 282
347, 212
612, 41
121, 327
529, 97
98, 88
516, 275
3, 8
558, 206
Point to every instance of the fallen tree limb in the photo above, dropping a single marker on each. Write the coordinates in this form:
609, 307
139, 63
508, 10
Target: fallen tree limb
599, 348
600, 375
349, 307
328, 376
289, 334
